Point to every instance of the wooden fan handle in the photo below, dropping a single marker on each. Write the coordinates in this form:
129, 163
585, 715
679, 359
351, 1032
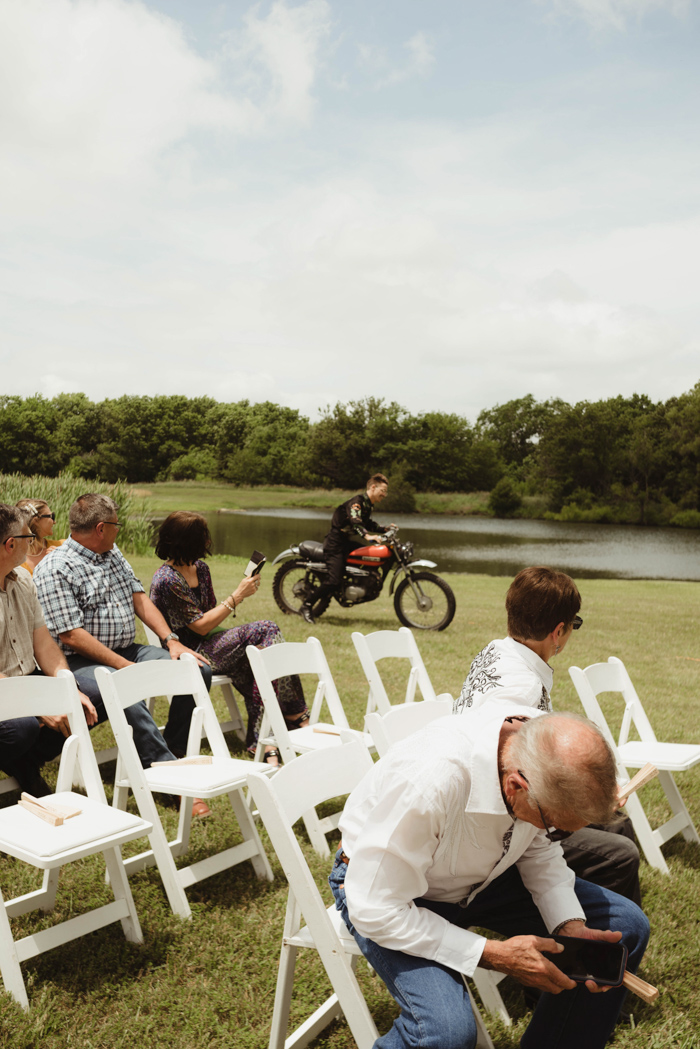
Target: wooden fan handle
643, 990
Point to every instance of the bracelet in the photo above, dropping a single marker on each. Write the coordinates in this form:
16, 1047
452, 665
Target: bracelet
231, 608
562, 924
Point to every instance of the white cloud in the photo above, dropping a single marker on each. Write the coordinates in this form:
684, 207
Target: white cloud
615, 14
419, 62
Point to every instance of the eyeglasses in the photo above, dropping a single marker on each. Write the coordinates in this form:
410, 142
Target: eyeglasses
30, 536
43, 516
117, 524
577, 623
552, 832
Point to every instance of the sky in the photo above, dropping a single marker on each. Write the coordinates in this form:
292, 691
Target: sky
447, 204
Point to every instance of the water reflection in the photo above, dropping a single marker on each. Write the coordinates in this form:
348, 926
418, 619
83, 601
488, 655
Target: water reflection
493, 547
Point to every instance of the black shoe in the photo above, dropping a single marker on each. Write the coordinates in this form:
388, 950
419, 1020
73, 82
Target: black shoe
305, 613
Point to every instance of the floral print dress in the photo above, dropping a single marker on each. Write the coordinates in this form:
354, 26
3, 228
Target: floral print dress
182, 604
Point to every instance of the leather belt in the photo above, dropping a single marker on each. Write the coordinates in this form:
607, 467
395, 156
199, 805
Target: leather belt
344, 859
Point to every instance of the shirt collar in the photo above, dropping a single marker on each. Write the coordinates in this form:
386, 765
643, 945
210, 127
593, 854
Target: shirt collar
485, 790
88, 554
542, 669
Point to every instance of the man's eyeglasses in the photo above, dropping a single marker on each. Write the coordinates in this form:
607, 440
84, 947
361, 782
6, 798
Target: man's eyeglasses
30, 536
577, 623
552, 832
117, 524
43, 516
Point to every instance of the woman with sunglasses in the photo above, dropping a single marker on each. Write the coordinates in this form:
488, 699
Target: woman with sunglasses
41, 524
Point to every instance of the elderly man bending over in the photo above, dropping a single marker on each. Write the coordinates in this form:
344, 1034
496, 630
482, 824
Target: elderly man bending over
458, 826
89, 594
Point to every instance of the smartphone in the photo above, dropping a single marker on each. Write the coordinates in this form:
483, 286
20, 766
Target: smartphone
596, 960
254, 566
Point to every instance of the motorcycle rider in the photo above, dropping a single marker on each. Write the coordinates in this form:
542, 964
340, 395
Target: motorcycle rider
351, 526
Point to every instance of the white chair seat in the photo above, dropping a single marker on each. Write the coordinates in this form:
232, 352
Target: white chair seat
673, 757
203, 781
45, 846
305, 739
303, 937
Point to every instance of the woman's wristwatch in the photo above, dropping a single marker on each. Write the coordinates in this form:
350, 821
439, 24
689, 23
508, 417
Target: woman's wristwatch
172, 636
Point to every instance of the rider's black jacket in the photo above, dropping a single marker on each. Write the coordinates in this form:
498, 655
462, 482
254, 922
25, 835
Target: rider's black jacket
353, 518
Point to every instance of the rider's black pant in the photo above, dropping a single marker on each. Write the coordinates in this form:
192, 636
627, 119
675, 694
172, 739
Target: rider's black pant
336, 547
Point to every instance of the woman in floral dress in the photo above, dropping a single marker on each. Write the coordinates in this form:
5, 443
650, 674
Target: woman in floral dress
182, 590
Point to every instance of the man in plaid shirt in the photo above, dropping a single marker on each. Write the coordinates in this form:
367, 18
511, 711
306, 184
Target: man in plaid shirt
89, 595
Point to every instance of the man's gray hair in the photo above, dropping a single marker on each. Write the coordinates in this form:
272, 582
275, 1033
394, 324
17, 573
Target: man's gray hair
569, 766
88, 510
13, 519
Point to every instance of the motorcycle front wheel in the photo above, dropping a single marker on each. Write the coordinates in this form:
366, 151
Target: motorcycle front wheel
293, 586
424, 601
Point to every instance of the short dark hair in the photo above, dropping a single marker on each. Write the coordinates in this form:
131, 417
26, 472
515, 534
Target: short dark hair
11, 519
183, 538
88, 510
538, 600
377, 479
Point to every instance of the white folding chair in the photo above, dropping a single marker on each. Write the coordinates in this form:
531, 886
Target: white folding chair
392, 644
281, 801
668, 757
235, 722
401, 721
393, 726
96, 828
301, 658
224, 775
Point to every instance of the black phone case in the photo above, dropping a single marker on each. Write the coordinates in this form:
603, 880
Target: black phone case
569, 941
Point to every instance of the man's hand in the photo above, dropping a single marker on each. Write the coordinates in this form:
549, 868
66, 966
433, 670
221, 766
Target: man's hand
177, 649
88, 710
59, 724
522, 958
579, 928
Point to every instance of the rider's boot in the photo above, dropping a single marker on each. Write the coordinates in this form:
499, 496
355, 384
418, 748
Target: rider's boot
305, 613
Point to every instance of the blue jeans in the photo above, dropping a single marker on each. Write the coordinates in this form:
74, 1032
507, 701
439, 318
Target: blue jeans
150, 744
435, 1008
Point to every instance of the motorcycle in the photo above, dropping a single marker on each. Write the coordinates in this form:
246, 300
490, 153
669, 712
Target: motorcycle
422, 599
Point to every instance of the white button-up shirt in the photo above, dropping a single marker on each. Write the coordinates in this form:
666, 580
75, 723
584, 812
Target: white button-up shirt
429, 820
505, 667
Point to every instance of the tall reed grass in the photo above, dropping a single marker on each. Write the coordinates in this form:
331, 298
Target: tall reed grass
136, 533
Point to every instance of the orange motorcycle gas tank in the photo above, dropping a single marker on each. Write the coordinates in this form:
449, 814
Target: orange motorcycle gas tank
368, 555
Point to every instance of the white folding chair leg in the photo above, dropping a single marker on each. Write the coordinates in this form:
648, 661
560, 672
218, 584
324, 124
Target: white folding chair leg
9, 961
236, 723
486, 983
681, 816
49, 888
645, 835
483, 1038
122, 891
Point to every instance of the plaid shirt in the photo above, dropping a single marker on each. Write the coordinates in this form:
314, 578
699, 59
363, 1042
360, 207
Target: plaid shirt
78, 588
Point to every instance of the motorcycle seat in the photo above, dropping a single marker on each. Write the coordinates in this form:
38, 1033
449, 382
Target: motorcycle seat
311, 550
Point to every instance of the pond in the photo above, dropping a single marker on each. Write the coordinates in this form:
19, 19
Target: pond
485, 545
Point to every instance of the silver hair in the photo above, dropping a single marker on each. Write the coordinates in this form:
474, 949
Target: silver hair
12, 519
88, 510
567, 773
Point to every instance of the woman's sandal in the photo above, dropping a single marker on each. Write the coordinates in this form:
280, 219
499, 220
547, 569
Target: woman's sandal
299, 722
272, 752
200, 809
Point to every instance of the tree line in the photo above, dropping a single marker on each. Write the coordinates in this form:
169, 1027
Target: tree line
619, 459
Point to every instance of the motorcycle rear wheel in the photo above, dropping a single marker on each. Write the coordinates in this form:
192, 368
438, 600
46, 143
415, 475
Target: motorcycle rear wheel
293, 586
432, 608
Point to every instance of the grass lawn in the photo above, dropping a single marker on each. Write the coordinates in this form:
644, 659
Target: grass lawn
210, 982
207, 497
